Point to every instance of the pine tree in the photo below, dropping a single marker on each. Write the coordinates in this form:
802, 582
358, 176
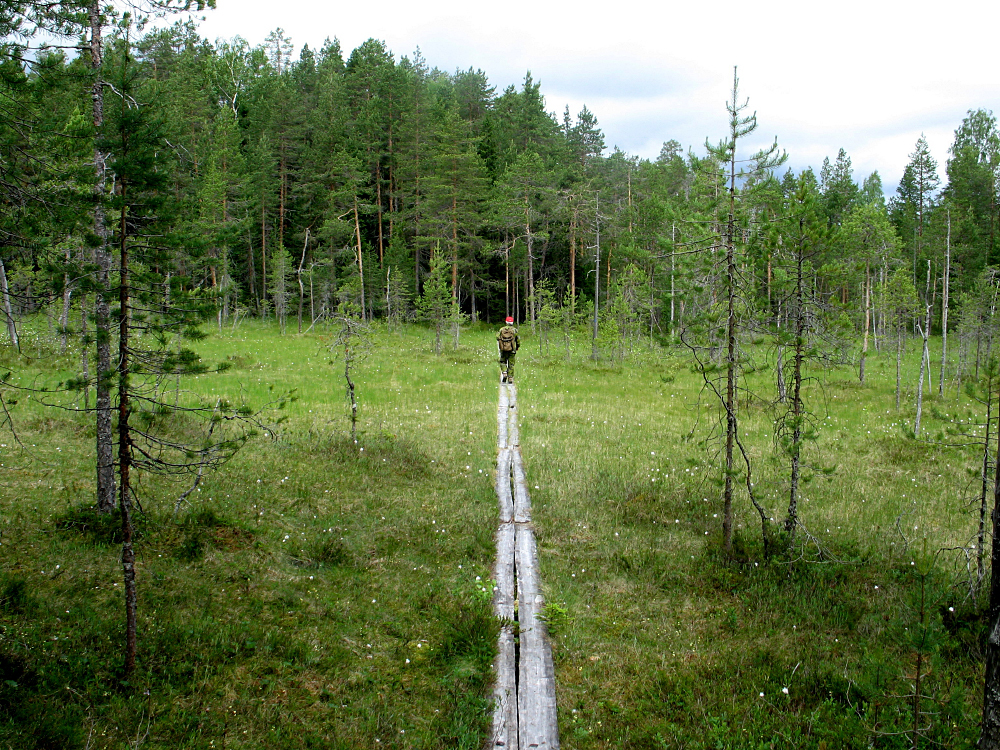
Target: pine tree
456, 188
740, 126
806, 238
838, 188
371, 86
585, 138
914, 200
143, 210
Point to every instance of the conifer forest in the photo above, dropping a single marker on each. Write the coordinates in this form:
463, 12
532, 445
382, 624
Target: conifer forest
248, 392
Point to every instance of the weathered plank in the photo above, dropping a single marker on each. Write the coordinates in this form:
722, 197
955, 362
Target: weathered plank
503, 571
504, 498
505, 667
505, 688
502, 409
505, 692
513, 431
522, 500
538, 725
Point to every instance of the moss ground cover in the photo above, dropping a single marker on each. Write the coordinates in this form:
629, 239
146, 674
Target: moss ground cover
317, 592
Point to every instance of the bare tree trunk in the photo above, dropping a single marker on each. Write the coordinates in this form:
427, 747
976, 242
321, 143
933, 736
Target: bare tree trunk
416, 202
792, 519
572, 261
597, 281
884, 274
454, 240
506, 266
125, 452
925, 358
361, 266
263, 256
67, 304
878, 323
944, 309
225, 297
864, 346
7, 310
782, 389
899, 359
770, 276
350, 389
607, 286
929, 303
219, 301
472, 295
989, 739
84, 352
252, 269
981, 532
282, 190
531, 265
527, 296
302, 290
731, 363
673, 271
378, 197
102, 256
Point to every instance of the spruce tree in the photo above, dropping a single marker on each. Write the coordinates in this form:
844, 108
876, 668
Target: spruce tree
434, 305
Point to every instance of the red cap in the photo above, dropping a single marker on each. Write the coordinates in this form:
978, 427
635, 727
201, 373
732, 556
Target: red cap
510, 319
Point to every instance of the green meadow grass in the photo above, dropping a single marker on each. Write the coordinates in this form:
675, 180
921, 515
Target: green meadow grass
321, 593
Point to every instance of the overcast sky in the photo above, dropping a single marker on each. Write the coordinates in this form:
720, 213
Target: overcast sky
868, 76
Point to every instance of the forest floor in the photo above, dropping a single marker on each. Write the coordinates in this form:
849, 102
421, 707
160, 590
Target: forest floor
317, 592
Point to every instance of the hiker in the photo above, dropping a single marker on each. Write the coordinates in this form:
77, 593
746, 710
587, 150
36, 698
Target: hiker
507, 343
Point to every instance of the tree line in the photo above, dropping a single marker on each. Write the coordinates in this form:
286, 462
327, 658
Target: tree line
297, 182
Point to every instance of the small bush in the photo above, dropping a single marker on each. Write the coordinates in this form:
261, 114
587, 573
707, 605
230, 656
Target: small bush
327, 551
98, 528
192, 547
16, 598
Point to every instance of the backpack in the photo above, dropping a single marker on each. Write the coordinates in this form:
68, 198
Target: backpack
506, 340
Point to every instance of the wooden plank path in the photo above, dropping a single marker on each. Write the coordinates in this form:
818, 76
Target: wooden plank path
524, 714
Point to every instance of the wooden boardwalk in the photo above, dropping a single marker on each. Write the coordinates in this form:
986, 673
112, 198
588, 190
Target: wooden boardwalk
524, 714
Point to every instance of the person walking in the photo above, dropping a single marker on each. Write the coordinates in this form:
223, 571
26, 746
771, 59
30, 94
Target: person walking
508, 344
